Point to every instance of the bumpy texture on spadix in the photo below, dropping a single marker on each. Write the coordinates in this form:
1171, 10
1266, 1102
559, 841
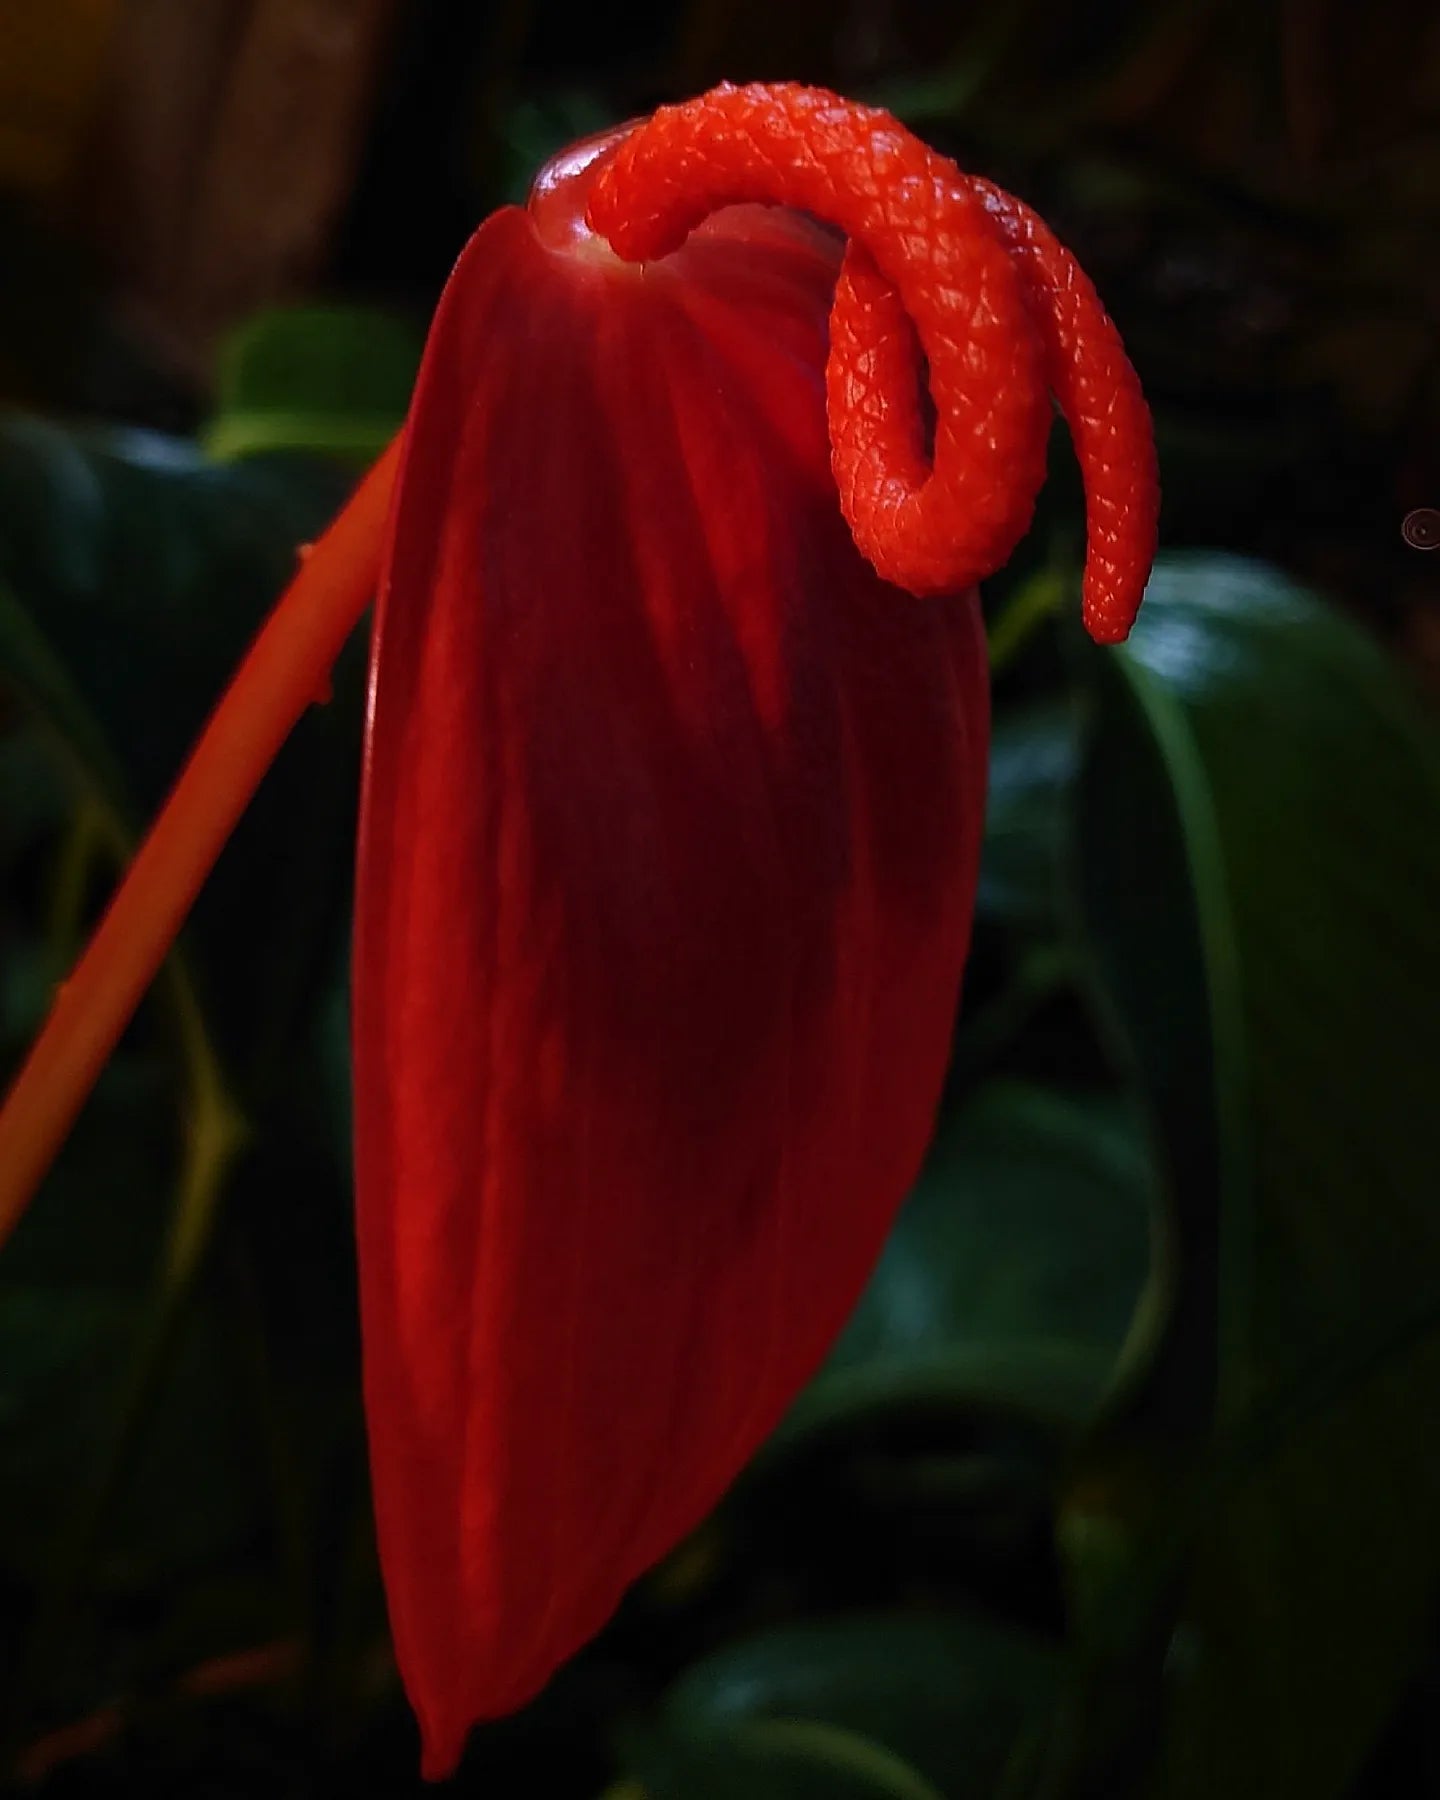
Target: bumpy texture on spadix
1001, 309
669, 843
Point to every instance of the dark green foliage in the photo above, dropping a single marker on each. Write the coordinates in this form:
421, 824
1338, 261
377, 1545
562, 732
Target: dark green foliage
1165, 1298
1124, 1481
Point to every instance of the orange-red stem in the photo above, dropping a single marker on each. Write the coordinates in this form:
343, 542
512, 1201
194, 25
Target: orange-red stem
286, 669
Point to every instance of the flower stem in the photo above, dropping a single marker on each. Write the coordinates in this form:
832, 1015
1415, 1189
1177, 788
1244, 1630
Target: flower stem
286, 669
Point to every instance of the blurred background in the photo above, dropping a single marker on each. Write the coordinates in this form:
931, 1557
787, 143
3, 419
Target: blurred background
1125, 1478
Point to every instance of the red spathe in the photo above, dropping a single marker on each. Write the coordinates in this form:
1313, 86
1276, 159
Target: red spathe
671, 823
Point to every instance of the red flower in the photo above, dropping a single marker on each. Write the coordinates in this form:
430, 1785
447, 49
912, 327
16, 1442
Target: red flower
671, 825
671, 822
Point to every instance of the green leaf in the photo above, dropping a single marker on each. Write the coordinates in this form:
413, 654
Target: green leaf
1034, 758
1270, 950
32, 669
133, 574
1011, 1277
958, 1698
325, 380
1165, 992
776, 1759
144, 570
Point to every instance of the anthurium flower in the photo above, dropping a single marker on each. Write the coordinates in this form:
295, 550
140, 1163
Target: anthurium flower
671, 821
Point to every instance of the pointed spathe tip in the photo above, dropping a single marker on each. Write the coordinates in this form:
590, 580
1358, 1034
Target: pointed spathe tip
442, 1744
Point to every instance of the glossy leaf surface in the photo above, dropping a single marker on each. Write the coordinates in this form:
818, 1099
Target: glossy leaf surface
1305, 791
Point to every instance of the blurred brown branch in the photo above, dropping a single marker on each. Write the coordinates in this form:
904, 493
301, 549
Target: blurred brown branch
223, 151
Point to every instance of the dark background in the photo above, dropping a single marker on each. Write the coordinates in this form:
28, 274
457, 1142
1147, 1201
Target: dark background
1122, 1481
